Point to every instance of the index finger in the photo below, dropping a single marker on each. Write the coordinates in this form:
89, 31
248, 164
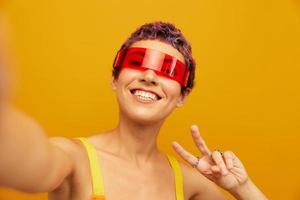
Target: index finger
199, 141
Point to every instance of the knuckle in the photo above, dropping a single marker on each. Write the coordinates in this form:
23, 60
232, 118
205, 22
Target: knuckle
215, 152
227, 153
230, 152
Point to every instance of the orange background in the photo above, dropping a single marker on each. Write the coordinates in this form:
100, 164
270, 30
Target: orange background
246, 97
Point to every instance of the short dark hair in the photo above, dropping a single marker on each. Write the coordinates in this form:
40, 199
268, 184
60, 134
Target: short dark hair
168, 33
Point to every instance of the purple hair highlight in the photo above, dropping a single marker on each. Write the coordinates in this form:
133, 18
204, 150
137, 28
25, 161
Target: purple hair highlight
168, 33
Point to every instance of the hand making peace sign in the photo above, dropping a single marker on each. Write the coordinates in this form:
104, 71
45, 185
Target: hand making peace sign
225, 169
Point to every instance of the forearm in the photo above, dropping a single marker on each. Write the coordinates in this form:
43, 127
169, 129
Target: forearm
28, 161
23, 147
248, 191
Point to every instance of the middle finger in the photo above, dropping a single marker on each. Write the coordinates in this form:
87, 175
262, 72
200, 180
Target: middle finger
219, 161
199, 141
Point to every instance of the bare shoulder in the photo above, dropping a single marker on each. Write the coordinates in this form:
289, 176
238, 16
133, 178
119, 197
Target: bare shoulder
66, 144
75, 150
70, 146
197, 187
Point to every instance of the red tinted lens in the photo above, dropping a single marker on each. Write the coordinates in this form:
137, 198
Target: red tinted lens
173, 68
163, 64
134, 58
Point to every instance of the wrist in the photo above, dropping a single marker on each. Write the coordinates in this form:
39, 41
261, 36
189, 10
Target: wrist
247, 191
241, 188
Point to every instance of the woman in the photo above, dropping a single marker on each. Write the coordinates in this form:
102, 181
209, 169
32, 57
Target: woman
153, 74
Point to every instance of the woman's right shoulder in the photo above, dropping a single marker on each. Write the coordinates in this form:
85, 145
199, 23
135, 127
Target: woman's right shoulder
80, 165
71, 146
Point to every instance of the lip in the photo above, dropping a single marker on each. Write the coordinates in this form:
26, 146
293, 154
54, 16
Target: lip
147, 90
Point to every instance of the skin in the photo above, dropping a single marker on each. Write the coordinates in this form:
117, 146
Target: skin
60, 165
132, 144
33, 151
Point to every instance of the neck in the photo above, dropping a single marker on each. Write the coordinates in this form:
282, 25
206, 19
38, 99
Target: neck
135, 141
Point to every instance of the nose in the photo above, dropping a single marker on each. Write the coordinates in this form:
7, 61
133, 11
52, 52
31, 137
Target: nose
149, 77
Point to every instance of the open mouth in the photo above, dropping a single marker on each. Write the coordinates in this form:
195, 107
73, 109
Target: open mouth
145, 95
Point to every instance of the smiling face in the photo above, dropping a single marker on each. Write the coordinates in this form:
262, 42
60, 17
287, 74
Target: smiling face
144, 96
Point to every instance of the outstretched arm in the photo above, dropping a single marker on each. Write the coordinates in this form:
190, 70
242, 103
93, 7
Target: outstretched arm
28, 161
223, 168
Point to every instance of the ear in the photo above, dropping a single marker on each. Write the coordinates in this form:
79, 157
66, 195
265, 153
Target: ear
183, 96
113, 83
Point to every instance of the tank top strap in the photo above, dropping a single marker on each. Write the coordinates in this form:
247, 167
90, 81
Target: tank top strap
95, 170
178, 177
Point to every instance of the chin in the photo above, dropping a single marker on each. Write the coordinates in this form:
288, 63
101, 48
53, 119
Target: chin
142, 111
143, 116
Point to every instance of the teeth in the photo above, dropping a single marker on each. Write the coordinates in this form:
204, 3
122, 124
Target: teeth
145, 95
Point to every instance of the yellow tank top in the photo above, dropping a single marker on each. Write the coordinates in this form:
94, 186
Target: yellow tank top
97, 181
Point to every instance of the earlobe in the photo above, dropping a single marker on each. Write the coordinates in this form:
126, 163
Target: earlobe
179, 104
180, 101
182, 98
113, 84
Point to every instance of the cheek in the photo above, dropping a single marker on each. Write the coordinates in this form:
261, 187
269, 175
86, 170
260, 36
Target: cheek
127, 75
171, 88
